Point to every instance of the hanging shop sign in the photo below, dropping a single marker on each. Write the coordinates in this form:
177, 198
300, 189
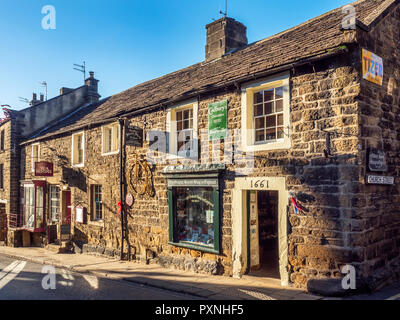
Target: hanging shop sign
133, 136
377, 161
218, 120
44, 169
372, 67
380, 180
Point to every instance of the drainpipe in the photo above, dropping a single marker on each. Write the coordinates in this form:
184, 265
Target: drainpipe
121, 131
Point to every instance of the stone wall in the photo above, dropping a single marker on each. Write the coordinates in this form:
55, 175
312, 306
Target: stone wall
323, 98
10, 160
376, 222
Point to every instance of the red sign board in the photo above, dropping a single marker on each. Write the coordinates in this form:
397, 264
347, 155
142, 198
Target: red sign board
44, 169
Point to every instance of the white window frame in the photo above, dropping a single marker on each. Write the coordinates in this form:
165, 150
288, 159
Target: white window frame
50, 194
38, 158
248, 131
82, 164
171, 128
114, 126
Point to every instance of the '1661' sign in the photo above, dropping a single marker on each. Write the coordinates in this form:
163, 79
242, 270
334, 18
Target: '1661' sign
44, 169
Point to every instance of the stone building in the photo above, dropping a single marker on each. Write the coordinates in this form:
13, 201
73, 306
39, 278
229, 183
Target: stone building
277, 158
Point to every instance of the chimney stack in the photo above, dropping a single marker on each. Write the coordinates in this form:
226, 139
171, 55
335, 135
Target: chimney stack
34, 100
41, 97
223, 36
93, 88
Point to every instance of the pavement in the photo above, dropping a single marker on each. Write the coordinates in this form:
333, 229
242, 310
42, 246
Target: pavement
198, 286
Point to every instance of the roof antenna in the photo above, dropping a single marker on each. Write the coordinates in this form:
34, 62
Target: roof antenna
44, 84
81, 69
24, 100
226, 9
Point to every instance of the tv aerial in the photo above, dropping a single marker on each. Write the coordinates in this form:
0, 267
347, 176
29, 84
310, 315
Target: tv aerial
81, 68
225, 14
44, 85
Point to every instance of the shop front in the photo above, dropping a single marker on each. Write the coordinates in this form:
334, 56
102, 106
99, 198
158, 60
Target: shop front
45, 206
194, 207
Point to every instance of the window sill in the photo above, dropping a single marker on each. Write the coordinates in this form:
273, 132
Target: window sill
98, 223
195, 247
267, 146
110, 153
81, 165
176, 157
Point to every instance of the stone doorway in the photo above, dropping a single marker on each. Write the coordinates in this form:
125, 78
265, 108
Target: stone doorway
276, 186
263, 242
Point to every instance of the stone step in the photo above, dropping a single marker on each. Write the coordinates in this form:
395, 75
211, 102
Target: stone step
64, 247
53, 248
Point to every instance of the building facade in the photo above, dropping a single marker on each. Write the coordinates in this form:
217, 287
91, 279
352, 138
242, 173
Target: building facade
278, 158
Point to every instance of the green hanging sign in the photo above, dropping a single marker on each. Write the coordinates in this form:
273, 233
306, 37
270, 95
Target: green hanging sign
218, 120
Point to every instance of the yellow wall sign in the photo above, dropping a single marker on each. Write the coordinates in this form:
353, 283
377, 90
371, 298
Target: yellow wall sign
372, 67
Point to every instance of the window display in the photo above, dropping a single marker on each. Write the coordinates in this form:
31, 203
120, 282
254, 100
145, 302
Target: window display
34, 206
195, 215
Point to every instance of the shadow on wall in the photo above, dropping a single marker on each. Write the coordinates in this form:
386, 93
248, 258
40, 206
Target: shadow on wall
74, 178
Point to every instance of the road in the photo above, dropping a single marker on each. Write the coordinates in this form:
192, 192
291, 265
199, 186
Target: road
21, 280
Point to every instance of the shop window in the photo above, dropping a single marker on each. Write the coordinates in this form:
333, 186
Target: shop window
110, 139
78, 149
97, 203
266, 114
35, 155
182, 125
194, 217
34, 200
54, 196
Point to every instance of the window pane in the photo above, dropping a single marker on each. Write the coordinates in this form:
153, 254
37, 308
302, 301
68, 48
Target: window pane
270, 121
269, 95
179, 125
270, 134
260, 135
195, 215
186, 124
269, 108
186, 114
39, 207
280, 119
98, 202
258, 110
258, 97
260, 123
281, 134
279, 93
179, 116
279, 106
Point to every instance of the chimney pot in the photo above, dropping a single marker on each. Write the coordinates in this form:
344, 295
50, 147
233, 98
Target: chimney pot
41, 97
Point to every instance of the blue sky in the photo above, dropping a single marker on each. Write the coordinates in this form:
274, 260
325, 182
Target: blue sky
125, 42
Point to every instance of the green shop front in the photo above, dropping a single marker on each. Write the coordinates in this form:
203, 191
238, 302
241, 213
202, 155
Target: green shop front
194, 201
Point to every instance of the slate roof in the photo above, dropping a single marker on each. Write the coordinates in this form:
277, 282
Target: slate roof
310, 39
